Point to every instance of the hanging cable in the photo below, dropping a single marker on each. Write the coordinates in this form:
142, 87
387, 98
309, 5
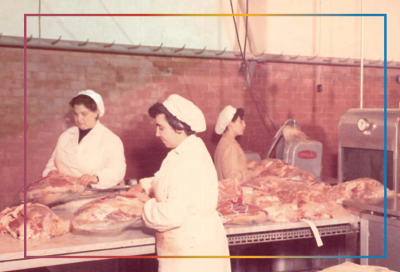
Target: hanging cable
247, 21
243, 66
237, 33
246, 71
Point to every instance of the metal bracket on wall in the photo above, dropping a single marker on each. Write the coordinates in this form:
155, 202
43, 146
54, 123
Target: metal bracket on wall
109, 45
312, 58
294, 57
134, 46
201, 51
56, 41
158, 48
344, 60
179, 49
83, 43
220, 53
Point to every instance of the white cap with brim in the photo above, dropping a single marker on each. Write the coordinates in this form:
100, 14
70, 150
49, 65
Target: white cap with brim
97, 98
224, 118
186, 112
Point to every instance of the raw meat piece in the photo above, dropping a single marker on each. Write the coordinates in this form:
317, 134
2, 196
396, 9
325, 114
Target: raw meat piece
237, 212
278, 168
290, 201
229, 189
41, 222
259, 198
108, 214
364, 190
53, 188
278, 212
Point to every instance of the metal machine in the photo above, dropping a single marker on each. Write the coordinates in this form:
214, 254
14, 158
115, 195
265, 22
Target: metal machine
361, 146
306, 155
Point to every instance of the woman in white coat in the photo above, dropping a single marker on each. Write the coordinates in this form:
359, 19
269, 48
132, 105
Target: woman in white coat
230, 159
89, 151
185, 189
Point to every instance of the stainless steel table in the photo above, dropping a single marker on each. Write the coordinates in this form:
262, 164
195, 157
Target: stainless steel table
141, 241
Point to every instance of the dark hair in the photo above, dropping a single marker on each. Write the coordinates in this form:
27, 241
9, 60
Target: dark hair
85, 100
174, 122
239, 113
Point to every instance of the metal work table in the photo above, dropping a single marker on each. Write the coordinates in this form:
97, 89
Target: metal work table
141, 241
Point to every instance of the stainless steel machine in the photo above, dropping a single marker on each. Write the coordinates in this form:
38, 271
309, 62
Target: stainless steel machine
361, 154
372, 234
361, 146
306, 155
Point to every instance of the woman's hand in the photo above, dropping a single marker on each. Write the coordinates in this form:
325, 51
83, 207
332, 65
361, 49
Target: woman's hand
259, 169
252, 164
142, 197
52, 173
87, 179
138, 191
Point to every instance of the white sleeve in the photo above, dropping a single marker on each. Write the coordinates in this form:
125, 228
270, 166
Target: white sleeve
114, 172
172, 212
50, 164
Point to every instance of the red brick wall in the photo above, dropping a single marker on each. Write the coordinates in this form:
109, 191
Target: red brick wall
130, 84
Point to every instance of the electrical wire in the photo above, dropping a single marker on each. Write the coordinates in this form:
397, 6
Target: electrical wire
237, 33
247, 73
247, 20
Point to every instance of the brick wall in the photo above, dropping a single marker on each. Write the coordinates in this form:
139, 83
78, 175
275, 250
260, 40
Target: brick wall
130, 84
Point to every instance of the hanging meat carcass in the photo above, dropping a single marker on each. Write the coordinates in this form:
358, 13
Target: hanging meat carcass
41, 222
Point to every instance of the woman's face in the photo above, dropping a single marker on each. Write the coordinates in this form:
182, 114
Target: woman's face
238, 126
84, 118
166, 133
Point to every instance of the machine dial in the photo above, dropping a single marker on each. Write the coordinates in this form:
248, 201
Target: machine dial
363, 124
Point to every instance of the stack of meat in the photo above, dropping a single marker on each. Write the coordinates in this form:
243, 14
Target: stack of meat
110, 214
290, 201
289, 194
41, 222
53, 188
363, 190
235, 211
278, 168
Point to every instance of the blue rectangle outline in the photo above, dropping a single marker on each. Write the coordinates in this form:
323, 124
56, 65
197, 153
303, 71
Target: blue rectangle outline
280, 15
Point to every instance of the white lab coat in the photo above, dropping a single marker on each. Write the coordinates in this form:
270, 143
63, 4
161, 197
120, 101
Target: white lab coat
100, 153
183, 212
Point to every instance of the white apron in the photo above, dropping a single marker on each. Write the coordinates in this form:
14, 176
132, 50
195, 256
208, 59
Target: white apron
183, 211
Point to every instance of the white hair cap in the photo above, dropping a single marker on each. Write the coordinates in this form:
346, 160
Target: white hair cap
97, 98
186, 112
224, 118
